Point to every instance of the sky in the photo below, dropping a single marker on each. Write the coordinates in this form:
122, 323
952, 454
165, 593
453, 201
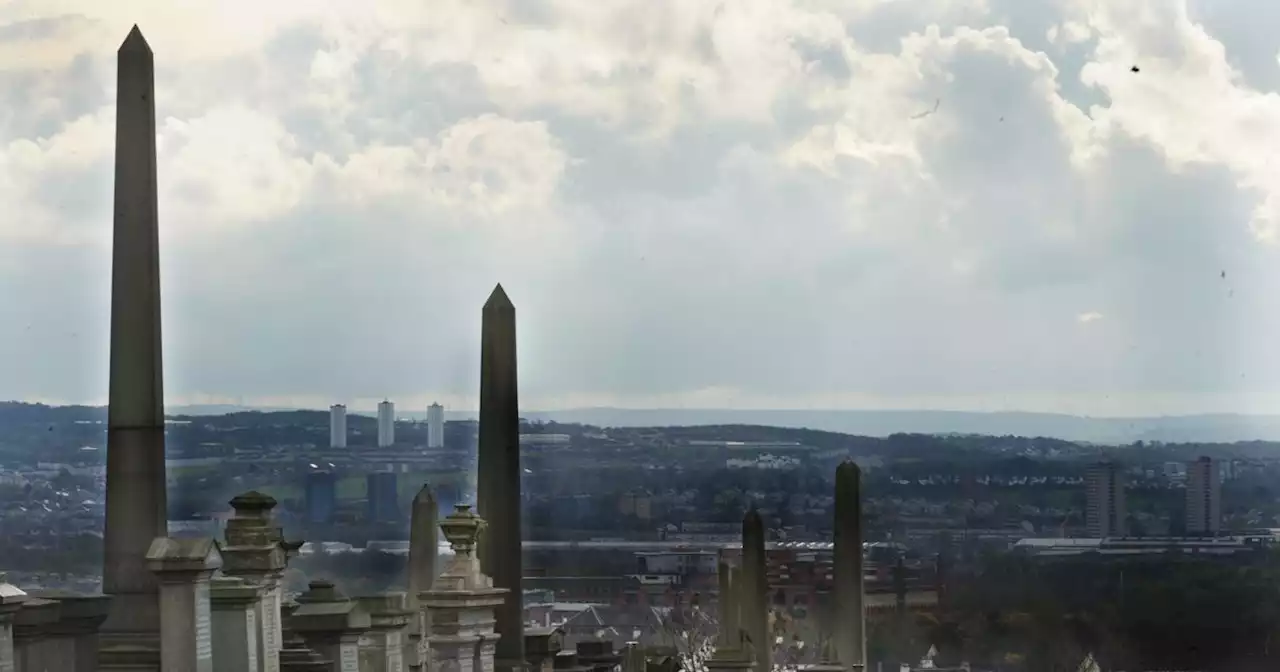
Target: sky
944, 204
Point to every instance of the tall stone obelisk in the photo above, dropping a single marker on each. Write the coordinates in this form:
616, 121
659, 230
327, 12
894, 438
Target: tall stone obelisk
136, 498
850, 628
754, 597
499, 474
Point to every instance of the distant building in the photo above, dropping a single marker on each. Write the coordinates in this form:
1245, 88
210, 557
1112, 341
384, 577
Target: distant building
382, 501
337, 426
1106, 514
386, 424
321, 491
435, 426
1204, 498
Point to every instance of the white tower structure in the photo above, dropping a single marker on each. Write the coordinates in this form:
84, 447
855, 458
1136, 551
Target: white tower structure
386, 424
1204, 498
337, 426
435, 426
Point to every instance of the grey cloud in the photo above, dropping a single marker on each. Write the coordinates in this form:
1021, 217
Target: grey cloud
695, 262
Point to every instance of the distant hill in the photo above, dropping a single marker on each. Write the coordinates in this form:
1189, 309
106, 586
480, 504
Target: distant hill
1186, 429
1222, 428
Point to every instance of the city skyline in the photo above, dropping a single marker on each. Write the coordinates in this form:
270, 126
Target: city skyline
779, 208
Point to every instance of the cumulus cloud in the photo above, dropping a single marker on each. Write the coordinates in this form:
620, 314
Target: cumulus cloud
691, 203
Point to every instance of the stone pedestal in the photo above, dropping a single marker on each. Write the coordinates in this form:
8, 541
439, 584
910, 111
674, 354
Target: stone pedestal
79, 617
11, 600
461, 603
235, 603
332, 625
388, 619
633, 658
255, 550
34, 647
183, 567
599, 656
541, 647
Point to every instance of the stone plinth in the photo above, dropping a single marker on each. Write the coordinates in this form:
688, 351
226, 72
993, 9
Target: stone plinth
11, 600
296, 656
332, 625
73, 635
567, 661
462, 602
34, 646
254, 549
633, 658
235, 603
598, 655
389, 618
183, 567
541, 646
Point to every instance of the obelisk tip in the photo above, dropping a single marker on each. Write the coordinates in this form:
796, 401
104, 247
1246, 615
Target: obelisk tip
135, 42
498, 300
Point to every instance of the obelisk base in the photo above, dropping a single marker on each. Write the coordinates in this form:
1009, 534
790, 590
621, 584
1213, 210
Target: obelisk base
508, 666
729, 660
129, 640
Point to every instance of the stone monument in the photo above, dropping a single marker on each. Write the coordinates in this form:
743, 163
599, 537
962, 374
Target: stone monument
135, 498
254, 550
462, 602
753, 596
729, 655
236, 630
11, 600
184, 567
423, 551
499, 473
850, 629
332, 624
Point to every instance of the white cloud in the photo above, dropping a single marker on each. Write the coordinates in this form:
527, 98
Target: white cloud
696, 202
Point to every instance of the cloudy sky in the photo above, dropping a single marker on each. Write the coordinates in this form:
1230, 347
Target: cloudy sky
961, 204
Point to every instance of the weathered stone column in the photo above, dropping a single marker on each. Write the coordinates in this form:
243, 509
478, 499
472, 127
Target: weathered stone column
255, 551
850, 628
729, 655
332, 625
462, 602
135, 498
11, 600
235, 603
499, 474
388, 618
424, 543
754, 592
186, 628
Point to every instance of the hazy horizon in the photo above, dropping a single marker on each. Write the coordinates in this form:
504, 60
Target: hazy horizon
772, 204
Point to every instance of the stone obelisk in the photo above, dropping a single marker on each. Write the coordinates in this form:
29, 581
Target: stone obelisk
424, 541
136, 498
753, 596
850, 628
499, 474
